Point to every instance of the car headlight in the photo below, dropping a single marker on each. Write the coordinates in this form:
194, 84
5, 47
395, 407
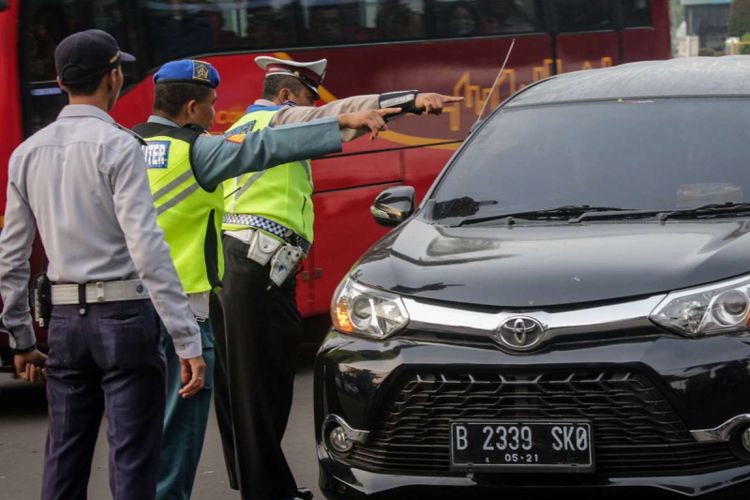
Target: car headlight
709, 310
361, 310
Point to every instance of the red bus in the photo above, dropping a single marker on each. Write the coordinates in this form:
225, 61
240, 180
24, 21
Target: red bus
448, 46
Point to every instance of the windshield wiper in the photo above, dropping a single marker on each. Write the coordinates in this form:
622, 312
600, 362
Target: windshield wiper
459, 207
563, 212
711, 209
620, 213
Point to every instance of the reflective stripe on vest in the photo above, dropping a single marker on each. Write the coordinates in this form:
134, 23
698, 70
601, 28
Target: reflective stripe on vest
282, 194
183, 207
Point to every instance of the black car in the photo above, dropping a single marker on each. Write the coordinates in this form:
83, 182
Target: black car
566, 311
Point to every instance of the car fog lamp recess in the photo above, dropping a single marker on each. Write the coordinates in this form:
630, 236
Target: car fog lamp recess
361, 310
338, 439
709, 310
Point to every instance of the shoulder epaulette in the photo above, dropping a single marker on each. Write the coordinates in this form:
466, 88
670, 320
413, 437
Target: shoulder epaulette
137, 137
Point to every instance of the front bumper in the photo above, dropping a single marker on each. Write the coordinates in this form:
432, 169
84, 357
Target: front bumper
644, 395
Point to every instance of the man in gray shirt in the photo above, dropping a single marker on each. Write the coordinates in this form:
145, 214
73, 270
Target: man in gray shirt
81, 181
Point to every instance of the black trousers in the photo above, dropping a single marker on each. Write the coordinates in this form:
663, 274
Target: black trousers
256, 332
109, 360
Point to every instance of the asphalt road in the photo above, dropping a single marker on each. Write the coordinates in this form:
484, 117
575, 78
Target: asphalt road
23, 427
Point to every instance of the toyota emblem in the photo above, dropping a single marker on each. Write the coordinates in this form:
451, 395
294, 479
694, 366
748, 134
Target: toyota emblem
520, 332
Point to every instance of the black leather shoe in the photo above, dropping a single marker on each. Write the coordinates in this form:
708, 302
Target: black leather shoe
304, 494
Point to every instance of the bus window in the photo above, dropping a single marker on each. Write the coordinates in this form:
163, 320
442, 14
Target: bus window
400, 19
334, 21
510, 16
487, 17
47, 23
636, 13
192, 28
46, 29
584, 15
179, 29
457, 18
272, 24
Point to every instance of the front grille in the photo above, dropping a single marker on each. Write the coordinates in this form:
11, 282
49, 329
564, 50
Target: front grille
636, 431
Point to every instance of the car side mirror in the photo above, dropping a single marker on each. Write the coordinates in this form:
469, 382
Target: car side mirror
393, 206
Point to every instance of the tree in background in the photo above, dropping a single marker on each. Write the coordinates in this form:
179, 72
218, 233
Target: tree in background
676, 13
739, 22
677, 16
739, 18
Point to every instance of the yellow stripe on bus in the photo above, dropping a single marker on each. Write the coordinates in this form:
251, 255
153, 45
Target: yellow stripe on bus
389, 135
413, 140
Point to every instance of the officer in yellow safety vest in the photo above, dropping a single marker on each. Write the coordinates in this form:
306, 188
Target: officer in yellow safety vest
186, 167
268, 228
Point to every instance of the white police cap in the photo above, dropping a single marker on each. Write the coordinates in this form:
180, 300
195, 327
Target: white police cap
309, 73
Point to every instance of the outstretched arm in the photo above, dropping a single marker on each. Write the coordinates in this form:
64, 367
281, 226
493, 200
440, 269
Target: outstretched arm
218, 158
409, 101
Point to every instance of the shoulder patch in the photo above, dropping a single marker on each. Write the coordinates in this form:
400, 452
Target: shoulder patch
156, 154
235, 138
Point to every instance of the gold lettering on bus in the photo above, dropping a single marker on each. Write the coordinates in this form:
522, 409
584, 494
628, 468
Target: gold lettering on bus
605, 62
474, 94
545, 70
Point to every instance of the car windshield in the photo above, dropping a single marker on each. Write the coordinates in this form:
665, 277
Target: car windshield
661, 154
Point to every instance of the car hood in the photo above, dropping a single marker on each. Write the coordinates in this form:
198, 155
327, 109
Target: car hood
546, 265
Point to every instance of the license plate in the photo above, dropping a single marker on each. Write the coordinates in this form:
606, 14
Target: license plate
564, 446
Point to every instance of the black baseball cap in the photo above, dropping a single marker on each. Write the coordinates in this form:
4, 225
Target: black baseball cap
86, 55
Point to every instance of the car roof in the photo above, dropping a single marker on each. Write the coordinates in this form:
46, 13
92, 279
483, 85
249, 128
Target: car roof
687, 76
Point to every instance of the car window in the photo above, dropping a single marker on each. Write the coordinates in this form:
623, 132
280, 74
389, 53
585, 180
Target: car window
650, 154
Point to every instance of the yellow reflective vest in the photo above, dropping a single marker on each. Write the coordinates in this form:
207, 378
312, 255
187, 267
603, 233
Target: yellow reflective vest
189, 215
282, 194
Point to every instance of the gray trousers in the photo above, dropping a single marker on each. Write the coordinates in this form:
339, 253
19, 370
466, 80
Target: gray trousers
107, 360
